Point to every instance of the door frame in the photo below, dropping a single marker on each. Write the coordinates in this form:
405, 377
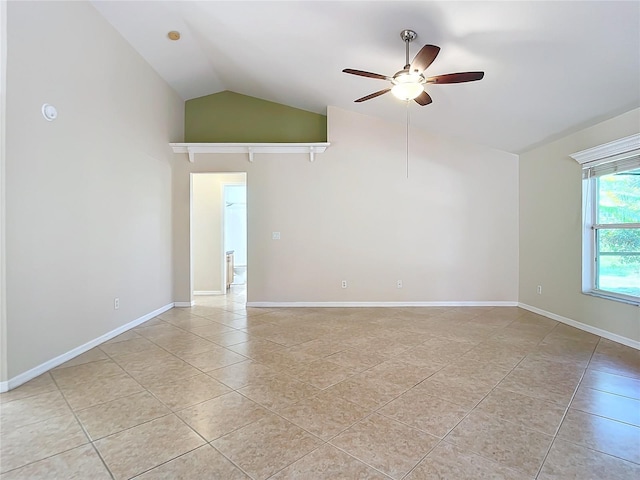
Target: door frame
222, 273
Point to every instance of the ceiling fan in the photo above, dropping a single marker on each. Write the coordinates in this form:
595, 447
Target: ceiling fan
408, 83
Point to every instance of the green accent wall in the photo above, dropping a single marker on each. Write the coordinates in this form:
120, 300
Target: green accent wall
232, 117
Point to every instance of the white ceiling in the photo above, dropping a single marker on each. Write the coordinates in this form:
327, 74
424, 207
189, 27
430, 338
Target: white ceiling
550, 67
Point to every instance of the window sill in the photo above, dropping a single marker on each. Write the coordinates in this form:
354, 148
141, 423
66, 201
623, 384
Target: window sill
608, 296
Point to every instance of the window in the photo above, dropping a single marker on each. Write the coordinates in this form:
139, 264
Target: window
615, 233
611, 214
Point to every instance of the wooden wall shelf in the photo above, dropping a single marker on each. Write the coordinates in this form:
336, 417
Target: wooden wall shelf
249, 148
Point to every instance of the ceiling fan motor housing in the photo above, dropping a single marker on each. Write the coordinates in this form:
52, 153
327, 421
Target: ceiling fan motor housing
406, 76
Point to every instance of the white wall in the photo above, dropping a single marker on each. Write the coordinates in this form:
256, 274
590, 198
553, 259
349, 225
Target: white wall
206, 230
449, 231
3, 300
551, 229
89, 195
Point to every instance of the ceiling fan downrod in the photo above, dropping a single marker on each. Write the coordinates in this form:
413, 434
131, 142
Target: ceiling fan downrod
407, 37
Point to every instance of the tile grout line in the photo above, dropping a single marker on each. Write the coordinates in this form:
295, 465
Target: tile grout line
475, 406
84, 430
323, 442
273, 412
231, 461
328, 442
566, 411
144, 390
443, 439
171, 412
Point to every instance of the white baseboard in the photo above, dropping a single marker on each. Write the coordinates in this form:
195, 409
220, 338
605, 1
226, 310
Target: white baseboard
184, 304
381, 304
207, 292
583, 326
60, 359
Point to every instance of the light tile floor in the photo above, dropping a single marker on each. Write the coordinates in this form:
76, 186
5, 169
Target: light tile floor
220, 391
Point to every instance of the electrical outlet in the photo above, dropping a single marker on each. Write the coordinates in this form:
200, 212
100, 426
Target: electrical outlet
399, 284
116, 303
539, 289
275, 235
344, 284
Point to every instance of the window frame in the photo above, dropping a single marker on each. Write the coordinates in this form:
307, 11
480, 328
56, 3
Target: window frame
590, 244
608, 158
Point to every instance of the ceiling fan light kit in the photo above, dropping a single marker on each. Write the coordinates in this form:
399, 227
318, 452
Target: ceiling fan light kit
408, 84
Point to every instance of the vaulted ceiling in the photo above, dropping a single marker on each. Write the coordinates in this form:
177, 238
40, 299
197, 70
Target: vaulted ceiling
550, 67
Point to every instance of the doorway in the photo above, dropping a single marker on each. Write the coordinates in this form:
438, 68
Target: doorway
218, 226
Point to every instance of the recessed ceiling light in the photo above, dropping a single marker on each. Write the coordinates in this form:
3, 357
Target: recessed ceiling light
173, 35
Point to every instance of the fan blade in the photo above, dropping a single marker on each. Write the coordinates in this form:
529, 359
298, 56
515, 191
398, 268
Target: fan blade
456, 77
373, 95
423, 99
424, 58
365, 74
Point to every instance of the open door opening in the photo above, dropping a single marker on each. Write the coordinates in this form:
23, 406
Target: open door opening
218, 237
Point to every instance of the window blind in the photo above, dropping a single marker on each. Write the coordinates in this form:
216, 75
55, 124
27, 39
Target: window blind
613, 166
618, 156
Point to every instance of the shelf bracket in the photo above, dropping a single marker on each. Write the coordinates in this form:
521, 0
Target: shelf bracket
192, 155
312, 154
250, 150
